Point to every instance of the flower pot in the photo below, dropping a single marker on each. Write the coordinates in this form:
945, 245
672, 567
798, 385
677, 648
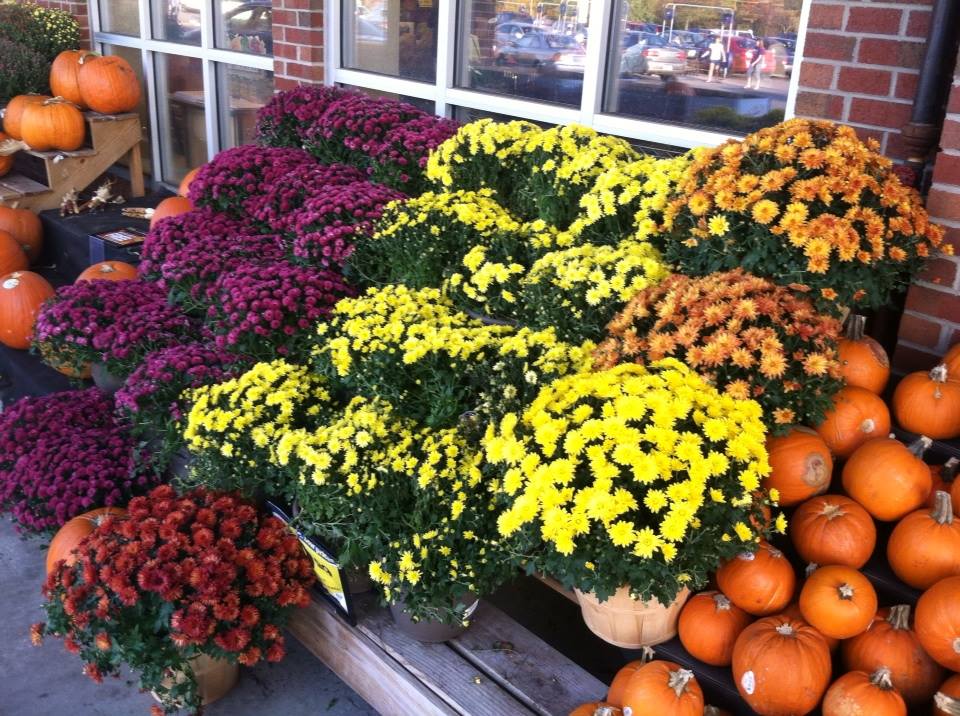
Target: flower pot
431, 631
215, 677
179, 465
630, 623
105, 380
358, 580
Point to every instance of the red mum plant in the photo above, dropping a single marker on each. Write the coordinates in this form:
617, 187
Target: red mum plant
177, 577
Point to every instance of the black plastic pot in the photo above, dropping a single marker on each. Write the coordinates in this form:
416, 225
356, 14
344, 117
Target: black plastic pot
105, 380
431, 631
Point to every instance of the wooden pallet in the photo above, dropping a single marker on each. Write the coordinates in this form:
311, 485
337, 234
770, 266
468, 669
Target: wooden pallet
112, 137
497, 668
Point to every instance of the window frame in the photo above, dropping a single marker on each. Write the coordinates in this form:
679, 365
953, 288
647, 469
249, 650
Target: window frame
446, 96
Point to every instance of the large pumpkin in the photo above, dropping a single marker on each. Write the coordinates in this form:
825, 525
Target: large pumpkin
937, 622
838, 601
929, 404
13, 114
53, 125
6, 160
890, 642
64, 71
12, 256
21, 295
709, 626
108, 271
619, 684
800, 465
109, 85
171, 206
857, 415
792, 610
859, 693
888, 478
73, 531
925, 545
781, 666
760, 582
863, 362
833, 529
25, 227
947, 699
596, 708
663, 688
184, 188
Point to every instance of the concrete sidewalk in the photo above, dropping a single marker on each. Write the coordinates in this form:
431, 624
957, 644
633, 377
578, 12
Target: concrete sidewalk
47, 681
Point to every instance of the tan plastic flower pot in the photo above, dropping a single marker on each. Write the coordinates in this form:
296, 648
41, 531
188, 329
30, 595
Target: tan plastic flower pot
215, 677
630, 623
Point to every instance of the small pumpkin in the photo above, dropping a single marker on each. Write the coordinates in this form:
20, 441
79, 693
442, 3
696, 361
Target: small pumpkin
889, 641
937, 622
13, 114
943, 478
596, 708
108, 84
171, 206
857, 415
6, 160
663, 688
73, 531
64, 80
781, 666
952, 361
888, 478
800, 465
760, 582
946, 702
54, 124
49, 355
857, 692
21, 295
12, 256
924, 547
184, 189
863, 362
619, 684
833, 529
709, 625
929, 404
108, 271
25, 227
838, 601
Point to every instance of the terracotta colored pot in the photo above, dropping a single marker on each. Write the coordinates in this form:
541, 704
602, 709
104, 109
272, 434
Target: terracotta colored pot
629, 623
215, 677
431, 631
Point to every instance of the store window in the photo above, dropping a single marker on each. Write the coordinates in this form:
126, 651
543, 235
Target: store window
135, 58
245, 26
177, 20
120, 16
183, 129
243, 91
391, 37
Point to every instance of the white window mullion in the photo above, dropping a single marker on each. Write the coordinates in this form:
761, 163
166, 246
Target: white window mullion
447, 40
153, 110
94, 18
598, 39
211, 110
797, 59
331, 41
386, 83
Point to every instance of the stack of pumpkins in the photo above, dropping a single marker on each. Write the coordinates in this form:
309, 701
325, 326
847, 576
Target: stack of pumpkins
778, 640
21, 291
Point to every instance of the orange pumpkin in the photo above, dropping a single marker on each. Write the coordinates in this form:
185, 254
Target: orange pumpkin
800, 466
952, 361
663, 688
64, 75
929, 404
618, 686
838, 601
171, 206
924, 547
12, 255
863, 362
857, 692
53, 125
888, 478
13, 114
6, 160
760, 582
946, 702
833, 529
21, 295
943, 478
781, 666
792, 610
108, 271
596, 708
25, 227
889, 641
857, 415
937, 622
108, 85
70, 535
185, 183
709, 625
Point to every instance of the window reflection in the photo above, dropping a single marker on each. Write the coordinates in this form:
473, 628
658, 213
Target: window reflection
427, 105
392, 37
243, 91
722, 67
120, 16
183, 133
177, 20
245, 26
133, 56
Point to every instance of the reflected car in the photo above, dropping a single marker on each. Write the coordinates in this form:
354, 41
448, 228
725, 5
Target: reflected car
783, 50
651, 55
248, 27
740, 51
545, 52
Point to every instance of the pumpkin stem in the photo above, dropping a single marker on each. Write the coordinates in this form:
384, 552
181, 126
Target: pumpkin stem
678, 681
710, 711
881, 679
785, 629
942, 512
855, 326
939, 373
646, 654
899, 617
605, 711
832, 512
956, 645
947, 704
919, 446
950, 469
845, 591
810, 569
720, 602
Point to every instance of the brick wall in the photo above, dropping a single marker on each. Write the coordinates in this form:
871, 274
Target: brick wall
79, 9
297, 42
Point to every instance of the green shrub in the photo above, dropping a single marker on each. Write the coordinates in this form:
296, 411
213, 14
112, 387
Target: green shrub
45, 31
21, 70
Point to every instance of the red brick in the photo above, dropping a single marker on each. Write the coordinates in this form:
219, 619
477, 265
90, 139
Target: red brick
302, 36
307, 72
819, 105
284, 50
863, 81
950, 136
908, 360
816, 75
918, 24
310, 54
943, 204
954, 104
302, 4
282, 84
880, 113
828, 47
893, 53
906, 85
947, 170
284, 17
309, 18
826, 17
882, 21
939, 271
951, 237
920, 330
933, 302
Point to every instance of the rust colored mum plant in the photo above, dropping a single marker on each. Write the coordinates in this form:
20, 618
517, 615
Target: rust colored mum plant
803, 202
177, 577
748, 336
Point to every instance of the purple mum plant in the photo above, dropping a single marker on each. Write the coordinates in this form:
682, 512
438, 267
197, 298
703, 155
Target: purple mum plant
285, 119
400, 158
